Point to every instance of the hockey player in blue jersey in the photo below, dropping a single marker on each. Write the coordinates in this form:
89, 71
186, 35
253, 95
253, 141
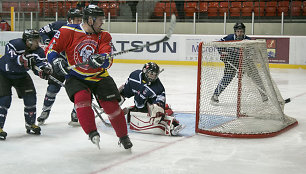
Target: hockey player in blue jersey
74, 17
230, 57
21, 55
150, 114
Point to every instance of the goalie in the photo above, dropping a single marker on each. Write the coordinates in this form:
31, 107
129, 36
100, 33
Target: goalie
150, 114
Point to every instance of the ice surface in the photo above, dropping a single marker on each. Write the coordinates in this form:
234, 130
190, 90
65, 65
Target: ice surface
62, 149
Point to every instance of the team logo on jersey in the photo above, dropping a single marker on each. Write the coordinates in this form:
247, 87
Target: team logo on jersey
83, 51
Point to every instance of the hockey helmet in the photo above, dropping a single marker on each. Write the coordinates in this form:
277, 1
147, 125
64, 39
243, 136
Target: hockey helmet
74, 12
30, 34
92, 10
150, 71
239, 26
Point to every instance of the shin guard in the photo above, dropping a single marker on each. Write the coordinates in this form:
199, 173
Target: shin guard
85, 114
116, 116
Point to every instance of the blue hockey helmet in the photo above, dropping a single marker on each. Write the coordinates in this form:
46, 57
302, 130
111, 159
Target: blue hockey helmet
30, 34
73, 13
239, 26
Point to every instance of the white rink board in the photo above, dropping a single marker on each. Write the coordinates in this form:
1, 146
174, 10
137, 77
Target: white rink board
177, 48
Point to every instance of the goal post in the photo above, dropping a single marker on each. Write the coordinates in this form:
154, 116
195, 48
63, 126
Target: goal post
236, 95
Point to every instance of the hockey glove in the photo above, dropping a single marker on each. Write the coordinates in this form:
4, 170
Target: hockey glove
45, 71
28, 61
97, 60
60, 66
47, 41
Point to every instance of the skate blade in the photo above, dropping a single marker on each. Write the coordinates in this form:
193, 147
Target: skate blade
41, 123
33, 133
98, 145
179, 129
214, 103
74, 124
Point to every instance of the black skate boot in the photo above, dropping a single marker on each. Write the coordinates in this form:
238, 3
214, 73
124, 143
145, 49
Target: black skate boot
125, 141
33, 129
2, 134
94, 136
74, 119
43, 117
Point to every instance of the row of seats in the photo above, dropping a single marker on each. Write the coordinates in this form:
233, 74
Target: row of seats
49, 8
234, 8
211, 8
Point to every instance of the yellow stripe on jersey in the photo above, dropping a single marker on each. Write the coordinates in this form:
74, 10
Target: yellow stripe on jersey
73, 28
98, 76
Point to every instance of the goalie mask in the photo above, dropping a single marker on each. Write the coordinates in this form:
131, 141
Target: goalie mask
150, 72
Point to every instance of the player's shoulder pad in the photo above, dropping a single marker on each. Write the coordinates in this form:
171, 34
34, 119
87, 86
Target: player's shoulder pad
72, 27
58, 24
229, 37
18, 45
247, 37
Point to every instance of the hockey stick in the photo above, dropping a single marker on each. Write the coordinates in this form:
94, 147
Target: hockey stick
95, 108
288, 100
165, 38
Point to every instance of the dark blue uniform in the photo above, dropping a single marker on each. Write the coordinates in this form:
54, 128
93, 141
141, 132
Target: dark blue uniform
47, 32
231, 62
14, 74
9, 63
142, 92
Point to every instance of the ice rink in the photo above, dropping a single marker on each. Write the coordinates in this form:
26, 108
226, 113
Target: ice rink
62, 149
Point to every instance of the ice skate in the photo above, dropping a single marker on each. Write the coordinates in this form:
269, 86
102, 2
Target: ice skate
2, 134
43, 117
214, 100
125, 141
94, 136
74, 119
33, 129
177, 129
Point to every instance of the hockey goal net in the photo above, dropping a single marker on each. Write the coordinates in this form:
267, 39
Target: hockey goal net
236, 96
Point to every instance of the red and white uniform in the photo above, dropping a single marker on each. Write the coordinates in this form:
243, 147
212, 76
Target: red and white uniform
77, 45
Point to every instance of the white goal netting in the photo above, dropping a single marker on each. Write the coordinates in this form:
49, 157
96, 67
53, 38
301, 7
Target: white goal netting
236, 96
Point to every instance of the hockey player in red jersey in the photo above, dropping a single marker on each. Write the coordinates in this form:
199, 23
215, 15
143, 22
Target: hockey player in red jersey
87, 44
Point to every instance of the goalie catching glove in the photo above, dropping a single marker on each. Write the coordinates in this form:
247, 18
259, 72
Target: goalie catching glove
100, 60
156, 113
60, 66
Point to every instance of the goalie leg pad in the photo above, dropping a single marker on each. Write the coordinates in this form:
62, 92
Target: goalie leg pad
142, 122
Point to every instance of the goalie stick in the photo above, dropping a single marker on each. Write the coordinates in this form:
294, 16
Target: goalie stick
165, 38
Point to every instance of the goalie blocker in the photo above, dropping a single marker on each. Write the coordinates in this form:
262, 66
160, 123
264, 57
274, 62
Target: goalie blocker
156, 121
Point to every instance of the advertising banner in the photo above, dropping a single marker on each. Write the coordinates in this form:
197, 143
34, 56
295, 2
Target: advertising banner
277, 49
185, 47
